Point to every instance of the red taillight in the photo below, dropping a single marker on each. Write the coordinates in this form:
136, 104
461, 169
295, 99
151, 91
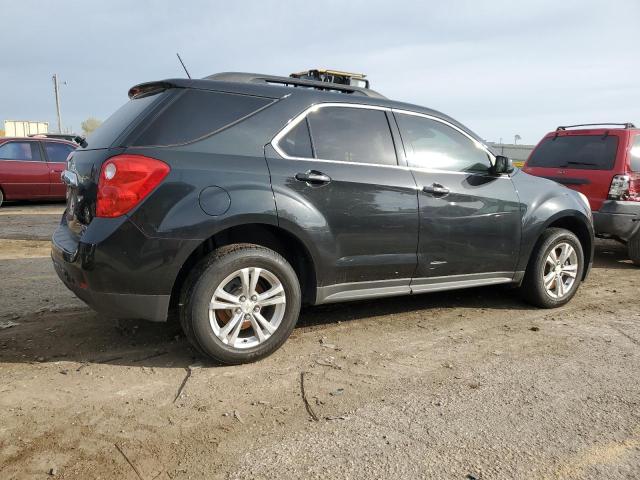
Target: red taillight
125, 180
625, 187
634, 187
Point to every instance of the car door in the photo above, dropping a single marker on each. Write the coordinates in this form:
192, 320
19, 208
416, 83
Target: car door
57, 153
23, 172
469, 218
337, 183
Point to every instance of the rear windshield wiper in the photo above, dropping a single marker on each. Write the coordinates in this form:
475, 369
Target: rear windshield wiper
580, 163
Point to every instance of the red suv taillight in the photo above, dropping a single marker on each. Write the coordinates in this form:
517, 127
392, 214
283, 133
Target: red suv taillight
625, 187
125, 180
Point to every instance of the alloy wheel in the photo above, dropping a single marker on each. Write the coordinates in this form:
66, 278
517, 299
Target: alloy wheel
247, 307
560, 270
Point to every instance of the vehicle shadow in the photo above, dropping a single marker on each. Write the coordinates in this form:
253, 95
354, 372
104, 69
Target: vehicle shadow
31, 203
612, 254
83, 337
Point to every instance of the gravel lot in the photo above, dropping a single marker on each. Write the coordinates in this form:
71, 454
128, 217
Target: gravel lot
460, 385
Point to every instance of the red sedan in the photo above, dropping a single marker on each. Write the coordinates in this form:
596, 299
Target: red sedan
30, 168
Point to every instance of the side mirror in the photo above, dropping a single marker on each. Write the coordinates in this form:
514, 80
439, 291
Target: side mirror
502, 165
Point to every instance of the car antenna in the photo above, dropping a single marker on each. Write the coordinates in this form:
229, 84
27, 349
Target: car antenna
185, 68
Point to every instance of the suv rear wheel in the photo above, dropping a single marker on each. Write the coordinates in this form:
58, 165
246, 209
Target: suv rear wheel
240, 303
555, 269
634, 249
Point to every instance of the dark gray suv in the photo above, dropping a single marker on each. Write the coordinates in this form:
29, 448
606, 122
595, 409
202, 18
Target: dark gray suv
236, 198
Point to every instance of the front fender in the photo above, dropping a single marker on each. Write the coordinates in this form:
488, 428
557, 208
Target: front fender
544, 204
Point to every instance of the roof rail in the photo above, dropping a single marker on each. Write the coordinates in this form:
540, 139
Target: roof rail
625, 125
241, 77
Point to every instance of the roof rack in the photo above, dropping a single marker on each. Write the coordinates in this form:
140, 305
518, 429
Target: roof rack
625, 125
241, 77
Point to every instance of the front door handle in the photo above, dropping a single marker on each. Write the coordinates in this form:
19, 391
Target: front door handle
314, 177
436, 190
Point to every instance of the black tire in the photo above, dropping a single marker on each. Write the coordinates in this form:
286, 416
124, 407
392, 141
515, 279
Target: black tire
634, 249
533, 289
1, 197
205, 279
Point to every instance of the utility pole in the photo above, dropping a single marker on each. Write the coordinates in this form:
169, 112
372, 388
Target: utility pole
56, 90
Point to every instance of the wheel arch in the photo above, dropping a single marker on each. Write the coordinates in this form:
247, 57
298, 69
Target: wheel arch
276, 238
577, 224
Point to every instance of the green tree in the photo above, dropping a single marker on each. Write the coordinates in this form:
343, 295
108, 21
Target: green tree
89, 125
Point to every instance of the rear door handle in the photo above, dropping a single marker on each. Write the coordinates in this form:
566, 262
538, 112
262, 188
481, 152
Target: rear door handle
314, 177
436, 190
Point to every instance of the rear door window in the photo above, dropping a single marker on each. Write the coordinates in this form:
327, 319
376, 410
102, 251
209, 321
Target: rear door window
357, 135
21, 151
297, 143
57, 152
582, 152
634, 154
198, 113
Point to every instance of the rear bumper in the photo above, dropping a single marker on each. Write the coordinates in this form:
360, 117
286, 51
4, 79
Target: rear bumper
119, 305
118, 271
617, 219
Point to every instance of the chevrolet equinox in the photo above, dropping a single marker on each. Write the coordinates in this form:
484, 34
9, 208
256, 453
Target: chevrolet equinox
235, 199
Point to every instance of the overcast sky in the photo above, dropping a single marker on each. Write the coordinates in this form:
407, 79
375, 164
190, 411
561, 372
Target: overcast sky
502, 68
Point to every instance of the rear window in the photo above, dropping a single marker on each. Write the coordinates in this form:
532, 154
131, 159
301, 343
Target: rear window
195, 114
583, 152
109, 131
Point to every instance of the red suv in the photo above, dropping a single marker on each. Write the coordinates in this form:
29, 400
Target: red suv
30, 168
603, 163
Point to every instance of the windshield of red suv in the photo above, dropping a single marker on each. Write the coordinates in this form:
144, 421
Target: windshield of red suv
584, 152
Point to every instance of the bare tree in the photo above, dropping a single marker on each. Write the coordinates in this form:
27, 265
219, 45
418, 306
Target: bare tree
89, 125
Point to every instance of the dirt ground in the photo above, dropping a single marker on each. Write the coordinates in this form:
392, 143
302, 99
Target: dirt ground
471, 384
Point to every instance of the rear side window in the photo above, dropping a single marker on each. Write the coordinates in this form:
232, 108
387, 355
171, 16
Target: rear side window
359, 135
634, 155
57, 152
297, 143
25, 151
115, 125
432, 144
195, 114
583, 152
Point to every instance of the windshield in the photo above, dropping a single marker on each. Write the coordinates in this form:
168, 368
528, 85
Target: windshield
584, 152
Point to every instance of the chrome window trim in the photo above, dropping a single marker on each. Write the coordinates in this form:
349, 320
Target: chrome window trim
275, 142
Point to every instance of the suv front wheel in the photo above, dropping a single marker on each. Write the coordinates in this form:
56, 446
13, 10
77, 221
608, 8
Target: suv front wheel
240, 303
555, 269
